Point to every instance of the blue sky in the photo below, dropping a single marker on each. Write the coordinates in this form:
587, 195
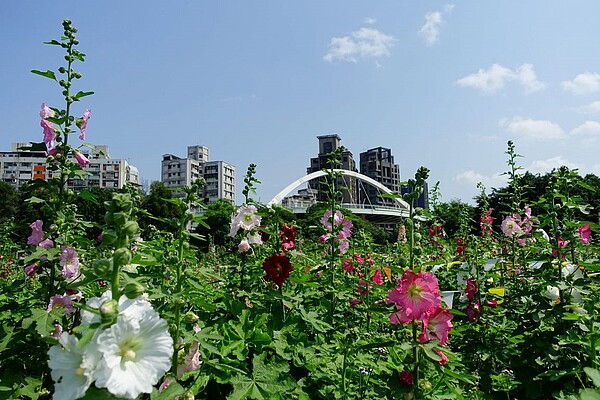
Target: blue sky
443, 84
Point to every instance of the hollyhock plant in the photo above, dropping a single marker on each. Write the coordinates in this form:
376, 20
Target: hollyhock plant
277, 268
416, 294
444, 358
436, 325
471, 289
30, 270
255, 239
406, 378
561, 244
37, 234
474, 311
63, 301
510, 227
82, 160
70, 262
585, 234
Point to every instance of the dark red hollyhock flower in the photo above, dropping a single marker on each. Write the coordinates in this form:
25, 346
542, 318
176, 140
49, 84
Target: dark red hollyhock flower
406, 378
264, 236
460, 246
471, 289
288, 237
278, 268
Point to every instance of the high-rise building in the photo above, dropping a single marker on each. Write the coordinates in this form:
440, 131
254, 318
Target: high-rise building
19, 166
378, 164
423, 200
219, 176
347, 185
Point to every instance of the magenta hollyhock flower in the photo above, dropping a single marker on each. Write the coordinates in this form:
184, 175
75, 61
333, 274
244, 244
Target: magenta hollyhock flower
69, 261
82, 160
323, 238
416, 294
492, 303
37, 234
378, 278
347, 265
61, 301
359, 259
474, 311
83, 124
444, 359
288, 237
49, 132
436, 325
486, 221
406, 378
585, 234
510, 227
30, 270
277, 268
561, 244
471, 289
354, 302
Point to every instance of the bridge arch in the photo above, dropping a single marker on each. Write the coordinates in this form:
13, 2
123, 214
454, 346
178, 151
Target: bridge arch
288, 189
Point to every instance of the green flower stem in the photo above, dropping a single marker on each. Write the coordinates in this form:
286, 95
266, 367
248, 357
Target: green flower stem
416, 359
178, 284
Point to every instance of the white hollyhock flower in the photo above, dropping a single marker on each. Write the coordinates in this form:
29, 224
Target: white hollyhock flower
552, 292
71, 367
136, 351
127, 307
572, 271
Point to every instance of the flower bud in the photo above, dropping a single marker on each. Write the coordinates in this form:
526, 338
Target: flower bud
190, 317
108, 218
122, 256
131, 228
109, 310
133, 290
109, 236
187, 396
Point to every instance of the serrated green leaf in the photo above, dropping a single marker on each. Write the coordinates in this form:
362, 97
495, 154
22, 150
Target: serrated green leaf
48, 74
172, 391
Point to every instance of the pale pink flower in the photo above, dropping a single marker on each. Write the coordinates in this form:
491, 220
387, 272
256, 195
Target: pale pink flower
191, 361
37, 234
83, 124
343, 246
82, 160
436, 325
585, 234
255, 239
416, 294
244, 246
326, 219
61, 301
69, 261
166, 383
245, 218
510, 227
49, 132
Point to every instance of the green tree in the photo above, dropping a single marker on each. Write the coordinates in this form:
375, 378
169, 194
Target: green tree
9, 200
218, 217
157, 204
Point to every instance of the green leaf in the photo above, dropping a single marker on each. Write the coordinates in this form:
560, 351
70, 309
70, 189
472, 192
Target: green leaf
48, 74
35, 200
589, 394
174, 389
80, 94
593, 374
41, 146
54, 42
311, 317
94, 393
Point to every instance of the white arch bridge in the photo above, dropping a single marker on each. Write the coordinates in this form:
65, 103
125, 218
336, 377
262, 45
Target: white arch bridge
375, 213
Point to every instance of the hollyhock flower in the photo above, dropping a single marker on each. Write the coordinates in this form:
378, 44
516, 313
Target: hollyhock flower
359, 259
572, 271
471, 289
244, 246
347, 265
69, 261
561, 244
46, 244
37, 234
354, 302
438, 325
71, 367
347, 227
416, 294
277, 268
552, 293
136, 352
460, 246
82, 124
406, 378
444, 359
63, 301
510, 227
82, 160
492, 303
474, 311
245, 218
49, 132
343, 246
378, 278
58, 330
255, 239
486, 221
326, 219
191, 361
166, 383
585, 234
288, 237
323, 238
30, 270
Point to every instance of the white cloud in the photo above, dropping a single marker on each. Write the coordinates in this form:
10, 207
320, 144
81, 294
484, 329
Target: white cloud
363, 43
588, 128
430, 31
544, 166
473, 178
495, 78
588, 82
592, 108
532, 128
369, 20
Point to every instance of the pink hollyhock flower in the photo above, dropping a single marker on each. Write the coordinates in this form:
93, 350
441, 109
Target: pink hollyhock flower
61, 301
82, 160
438, 325
277, 268
37, 234
49, 132
511, 227
378, 278
471, 289
323, 238
492, 303
347, 227
30, 270
326, 219
354, 302
486, 221
69, 261
245, 219
359, 259
585, 234
244, 246
83, 123
46, 244
191, 362
58, 330
166, 383
561, 244
347, 265
474, 311
288, 237
406, 378
444, 359
416, 294
343, 246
